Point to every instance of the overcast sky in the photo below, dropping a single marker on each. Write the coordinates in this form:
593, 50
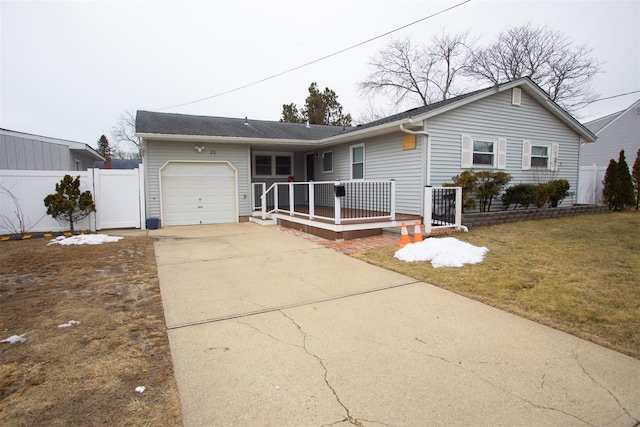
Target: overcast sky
70, 68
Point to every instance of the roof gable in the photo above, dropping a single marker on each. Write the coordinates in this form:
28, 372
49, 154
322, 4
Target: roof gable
598, 125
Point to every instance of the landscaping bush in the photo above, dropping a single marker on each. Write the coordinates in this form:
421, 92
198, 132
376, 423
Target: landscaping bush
618, 190
519, 195
68, 204
552, 192
483, 186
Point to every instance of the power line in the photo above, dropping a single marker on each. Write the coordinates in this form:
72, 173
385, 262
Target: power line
614, 96
319, 59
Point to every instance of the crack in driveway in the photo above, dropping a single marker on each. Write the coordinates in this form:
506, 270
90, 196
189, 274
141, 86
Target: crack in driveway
504, 390
349, 418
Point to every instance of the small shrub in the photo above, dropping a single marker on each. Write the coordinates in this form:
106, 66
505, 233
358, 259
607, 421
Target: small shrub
67, 204
519, 195
558, 191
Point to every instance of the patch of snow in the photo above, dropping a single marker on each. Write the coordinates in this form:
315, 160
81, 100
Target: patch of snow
442, 252
15, 338
140, 389
464, 228
69, 323
85, 239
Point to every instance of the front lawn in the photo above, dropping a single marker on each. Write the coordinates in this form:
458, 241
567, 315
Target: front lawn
578, 274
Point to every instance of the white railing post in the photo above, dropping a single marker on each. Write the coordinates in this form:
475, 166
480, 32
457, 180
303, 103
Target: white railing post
337, 207
428, 208
458, 207
292, 200
312, 199
393, 200
276, 198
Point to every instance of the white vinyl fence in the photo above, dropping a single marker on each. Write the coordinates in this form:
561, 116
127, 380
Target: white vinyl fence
590, 190
118, 195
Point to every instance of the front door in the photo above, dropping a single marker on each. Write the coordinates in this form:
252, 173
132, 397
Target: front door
310, 166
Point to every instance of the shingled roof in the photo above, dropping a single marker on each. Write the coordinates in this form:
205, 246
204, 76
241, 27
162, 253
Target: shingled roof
151, 123
148, 122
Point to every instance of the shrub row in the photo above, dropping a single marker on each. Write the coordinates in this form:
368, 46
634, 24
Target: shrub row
523, 195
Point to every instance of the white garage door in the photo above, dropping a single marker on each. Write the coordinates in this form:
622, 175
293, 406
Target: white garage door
198, 193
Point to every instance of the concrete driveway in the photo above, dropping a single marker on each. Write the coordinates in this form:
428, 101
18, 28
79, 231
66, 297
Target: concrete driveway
270, 330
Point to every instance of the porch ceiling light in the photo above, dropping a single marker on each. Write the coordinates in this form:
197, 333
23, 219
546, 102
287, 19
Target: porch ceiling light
199, 149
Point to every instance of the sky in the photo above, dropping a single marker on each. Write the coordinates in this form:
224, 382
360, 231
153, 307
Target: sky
69, 69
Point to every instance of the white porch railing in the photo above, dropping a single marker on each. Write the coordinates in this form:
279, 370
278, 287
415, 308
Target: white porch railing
337, 202
443, 205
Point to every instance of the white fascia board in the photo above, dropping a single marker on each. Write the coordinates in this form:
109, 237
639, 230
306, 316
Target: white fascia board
367, 132
227, 139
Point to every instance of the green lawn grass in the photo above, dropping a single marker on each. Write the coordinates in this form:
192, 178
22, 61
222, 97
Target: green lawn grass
579, 274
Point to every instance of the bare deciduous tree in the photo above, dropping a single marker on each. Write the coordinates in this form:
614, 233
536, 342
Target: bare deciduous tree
550, 59
422, 73
127, 145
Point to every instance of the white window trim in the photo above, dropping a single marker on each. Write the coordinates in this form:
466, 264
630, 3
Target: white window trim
273, 155
552, 155
78, 165
499, 152
548, 147
351, 147
323, 154
494, 152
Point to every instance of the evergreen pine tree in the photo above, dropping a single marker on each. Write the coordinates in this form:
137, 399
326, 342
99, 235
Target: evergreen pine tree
68, 204
627, 194
105, 151
611, 185
635, 176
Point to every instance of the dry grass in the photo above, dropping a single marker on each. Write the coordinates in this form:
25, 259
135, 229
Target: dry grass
578, 274
85, 374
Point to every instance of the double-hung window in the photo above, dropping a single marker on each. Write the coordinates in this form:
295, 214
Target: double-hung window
484, 152
539, 156
481, 152
267, 164
357, 161
327, 161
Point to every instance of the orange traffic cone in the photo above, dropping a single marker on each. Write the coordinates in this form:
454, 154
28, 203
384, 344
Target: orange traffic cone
417, 233
404, 236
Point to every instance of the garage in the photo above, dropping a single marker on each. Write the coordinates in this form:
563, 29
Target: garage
198, 193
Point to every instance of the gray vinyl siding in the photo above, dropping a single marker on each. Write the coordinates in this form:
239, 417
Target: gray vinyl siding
157, 153
384, 159
29, 154
623, 133
494, 117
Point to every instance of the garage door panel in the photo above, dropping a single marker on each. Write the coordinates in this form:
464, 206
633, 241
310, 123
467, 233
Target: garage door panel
198, 193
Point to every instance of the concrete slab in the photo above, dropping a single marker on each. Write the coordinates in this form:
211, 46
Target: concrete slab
306, 336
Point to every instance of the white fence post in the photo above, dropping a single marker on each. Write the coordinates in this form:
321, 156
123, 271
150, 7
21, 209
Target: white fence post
458, 207
393, 200
292, 200
312, 200
337, 208
428, 208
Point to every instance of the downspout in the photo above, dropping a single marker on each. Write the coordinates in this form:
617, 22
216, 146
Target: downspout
425, 214
428, 144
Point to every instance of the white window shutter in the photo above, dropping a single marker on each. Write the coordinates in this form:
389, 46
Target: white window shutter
502, 153
555, 151
526, 155
467, 151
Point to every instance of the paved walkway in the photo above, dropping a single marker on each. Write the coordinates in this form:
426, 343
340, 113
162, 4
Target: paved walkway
267, 329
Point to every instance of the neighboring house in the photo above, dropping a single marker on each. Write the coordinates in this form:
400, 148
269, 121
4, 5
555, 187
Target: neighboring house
23, 151
119, 164
615, 132
200, 169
